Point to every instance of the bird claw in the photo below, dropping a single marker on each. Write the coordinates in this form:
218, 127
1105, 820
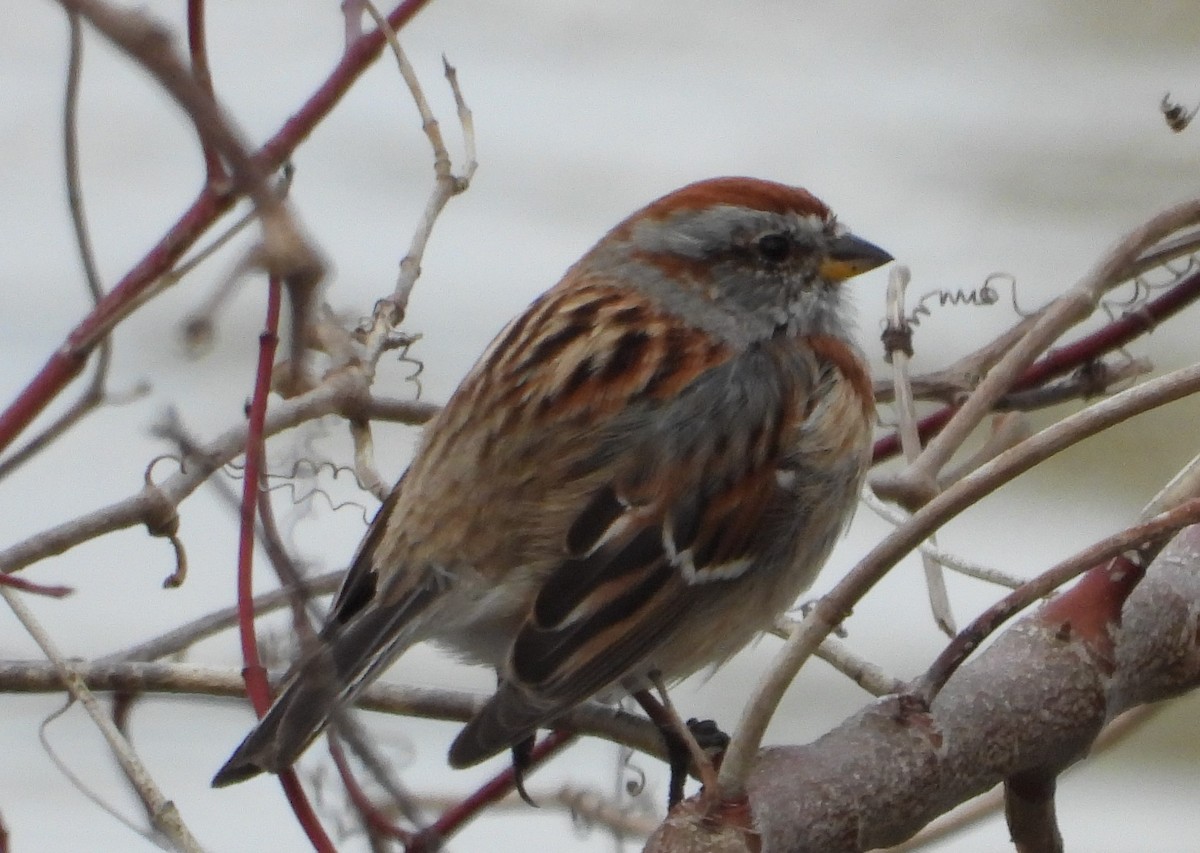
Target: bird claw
522, 754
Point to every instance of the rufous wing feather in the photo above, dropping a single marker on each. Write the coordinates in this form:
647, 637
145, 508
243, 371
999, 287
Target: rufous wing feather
645, 553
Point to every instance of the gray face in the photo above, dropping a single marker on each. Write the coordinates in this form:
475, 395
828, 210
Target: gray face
760, 269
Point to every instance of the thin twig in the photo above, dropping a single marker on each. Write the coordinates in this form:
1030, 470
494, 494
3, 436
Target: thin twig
159, 677
373, 820
1007, 431
1071, 308
284, 252
868, 676
589, 808
356, 737
197, 326
1090, 380
344, 393
1183, 486
1058, 362
187, 635
256, 677
94, 395
83, 787
30, 588
364, 455
910, 439
257, 687
163, 814
496, 788
390, 311
198, 52
954, 562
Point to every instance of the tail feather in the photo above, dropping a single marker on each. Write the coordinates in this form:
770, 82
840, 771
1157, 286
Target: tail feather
348, 659
509, 717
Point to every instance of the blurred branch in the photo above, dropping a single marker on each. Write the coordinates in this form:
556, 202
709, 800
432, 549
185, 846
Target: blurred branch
63, 767
180, 639
163, 814
951, 561
344, 393
94, 394
198, 52
495, 789
158, 678
68, 359
284, 252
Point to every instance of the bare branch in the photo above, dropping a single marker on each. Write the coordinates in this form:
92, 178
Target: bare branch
68, 359
1029, 808
390, 310
592, 719
163, 814
950, 384
951, 561
342, 393
897, 329
811, 798
94, 394
974, 811
1069, 309
837, 654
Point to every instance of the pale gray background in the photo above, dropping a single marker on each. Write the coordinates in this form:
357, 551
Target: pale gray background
963, 140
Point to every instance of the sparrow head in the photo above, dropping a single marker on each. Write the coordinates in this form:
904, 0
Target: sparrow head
742, 257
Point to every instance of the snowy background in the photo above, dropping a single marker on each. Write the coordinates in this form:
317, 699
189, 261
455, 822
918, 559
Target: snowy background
963, 140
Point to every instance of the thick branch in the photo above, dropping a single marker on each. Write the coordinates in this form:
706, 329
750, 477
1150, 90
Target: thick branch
1034, 699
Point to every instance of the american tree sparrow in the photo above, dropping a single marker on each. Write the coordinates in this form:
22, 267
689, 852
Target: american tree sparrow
641, 472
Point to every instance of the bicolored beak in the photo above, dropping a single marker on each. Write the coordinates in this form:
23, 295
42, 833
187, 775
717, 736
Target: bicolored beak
850, 256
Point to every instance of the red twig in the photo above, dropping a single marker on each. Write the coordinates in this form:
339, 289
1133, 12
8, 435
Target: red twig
253, 673
29, 586
69, 358
1061, 361
198, 50
304, 812
1113, 336
375, 819
493, 790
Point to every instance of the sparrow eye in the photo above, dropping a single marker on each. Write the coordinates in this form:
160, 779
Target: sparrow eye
774, 248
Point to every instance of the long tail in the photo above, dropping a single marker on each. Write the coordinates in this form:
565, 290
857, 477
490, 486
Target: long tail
510, 716
347, 660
